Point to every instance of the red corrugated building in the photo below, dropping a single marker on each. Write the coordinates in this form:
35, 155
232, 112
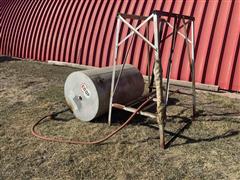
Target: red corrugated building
84, 32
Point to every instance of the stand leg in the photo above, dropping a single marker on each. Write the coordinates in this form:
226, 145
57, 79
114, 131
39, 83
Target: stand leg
161, 113
169, 67
148, 64
191, 62
193, 71
113, 73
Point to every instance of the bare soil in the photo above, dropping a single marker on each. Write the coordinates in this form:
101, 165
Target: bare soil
208, 149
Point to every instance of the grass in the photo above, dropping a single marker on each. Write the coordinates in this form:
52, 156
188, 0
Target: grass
208, 149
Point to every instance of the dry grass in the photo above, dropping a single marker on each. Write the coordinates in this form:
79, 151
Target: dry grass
208, 149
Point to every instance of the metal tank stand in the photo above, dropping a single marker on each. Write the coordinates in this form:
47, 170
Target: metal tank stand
159, 19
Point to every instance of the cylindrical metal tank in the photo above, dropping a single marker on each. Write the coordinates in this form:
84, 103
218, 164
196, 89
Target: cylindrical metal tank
88, 92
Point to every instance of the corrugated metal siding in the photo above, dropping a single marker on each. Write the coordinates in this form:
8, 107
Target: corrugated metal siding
84, 32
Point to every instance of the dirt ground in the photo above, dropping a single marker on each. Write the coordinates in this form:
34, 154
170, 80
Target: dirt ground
208, 149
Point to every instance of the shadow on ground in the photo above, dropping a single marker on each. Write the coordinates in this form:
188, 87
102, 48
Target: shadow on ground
207, 148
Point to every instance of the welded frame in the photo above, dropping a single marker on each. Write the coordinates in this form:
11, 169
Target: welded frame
162, 101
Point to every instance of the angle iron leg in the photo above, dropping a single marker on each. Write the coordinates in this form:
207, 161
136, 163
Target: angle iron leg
193, 70
191, 62
114, 72
175, 27
159, 85
149, 60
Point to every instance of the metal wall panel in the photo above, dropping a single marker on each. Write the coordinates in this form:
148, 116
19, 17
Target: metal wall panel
84, 32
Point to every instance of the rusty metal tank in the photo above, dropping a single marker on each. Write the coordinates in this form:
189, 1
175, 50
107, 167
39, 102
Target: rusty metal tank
88, 92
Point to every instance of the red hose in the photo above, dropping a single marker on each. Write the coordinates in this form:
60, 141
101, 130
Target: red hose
62, 140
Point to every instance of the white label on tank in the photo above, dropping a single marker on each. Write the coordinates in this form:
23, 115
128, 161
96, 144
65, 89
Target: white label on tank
85, 90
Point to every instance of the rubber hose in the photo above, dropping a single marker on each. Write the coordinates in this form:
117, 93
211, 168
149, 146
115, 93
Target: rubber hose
62, 140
